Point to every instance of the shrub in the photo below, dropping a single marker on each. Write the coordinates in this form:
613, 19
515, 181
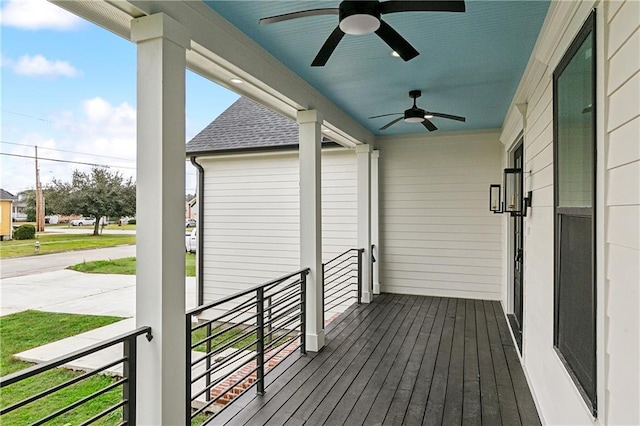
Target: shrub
25, 232
131, 222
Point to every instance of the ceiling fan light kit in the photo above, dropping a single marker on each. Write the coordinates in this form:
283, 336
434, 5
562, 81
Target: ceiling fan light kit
414, 115
359, 18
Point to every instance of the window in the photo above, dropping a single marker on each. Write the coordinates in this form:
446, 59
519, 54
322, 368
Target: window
574, 119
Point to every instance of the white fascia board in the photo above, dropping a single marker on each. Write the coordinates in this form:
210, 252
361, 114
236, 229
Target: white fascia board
220, 51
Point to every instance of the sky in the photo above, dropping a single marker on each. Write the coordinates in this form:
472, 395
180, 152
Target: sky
69, 88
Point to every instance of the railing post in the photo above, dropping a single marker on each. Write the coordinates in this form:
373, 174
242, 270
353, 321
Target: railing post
269, 323
129, 373
188, 370
323, 293
373, 261
303, 312
208, 362
260, 341
360, 251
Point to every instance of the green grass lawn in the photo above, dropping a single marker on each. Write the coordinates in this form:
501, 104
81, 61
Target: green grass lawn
126, 266
55, 243
29, 329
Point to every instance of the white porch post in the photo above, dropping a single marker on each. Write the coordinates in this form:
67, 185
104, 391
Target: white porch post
160, 290
363, 153
375, 219
311, 222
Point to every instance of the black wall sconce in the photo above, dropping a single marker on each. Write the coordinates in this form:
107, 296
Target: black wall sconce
513, 202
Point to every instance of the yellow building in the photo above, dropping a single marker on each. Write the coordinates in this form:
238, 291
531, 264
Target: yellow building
6, 203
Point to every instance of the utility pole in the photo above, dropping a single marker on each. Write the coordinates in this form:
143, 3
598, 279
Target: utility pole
39, 199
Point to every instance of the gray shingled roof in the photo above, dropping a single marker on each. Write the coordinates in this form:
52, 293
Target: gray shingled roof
245, 125
6, 195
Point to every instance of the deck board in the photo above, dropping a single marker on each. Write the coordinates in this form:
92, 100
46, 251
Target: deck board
471, 404
420, 395
400, 360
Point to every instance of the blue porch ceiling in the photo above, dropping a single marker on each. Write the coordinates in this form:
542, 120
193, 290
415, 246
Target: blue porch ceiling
470, 63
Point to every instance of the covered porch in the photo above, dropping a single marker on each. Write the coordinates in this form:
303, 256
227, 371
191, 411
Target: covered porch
418, 350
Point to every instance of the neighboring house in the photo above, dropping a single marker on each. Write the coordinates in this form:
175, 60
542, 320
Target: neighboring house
19, 207
6, 209
251, 230
191, 209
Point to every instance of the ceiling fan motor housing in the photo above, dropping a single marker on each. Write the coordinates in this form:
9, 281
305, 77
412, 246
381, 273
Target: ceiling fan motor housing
414, 115
359, 17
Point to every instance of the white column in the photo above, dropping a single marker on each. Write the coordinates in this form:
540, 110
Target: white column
363, 153
160, 290
375, 219
311, 222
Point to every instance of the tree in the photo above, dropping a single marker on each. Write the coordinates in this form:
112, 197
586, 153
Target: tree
98, 193
29, 198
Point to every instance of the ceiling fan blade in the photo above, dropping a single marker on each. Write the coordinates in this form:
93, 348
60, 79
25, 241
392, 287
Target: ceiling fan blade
386, 115
391, 123
429, 125
422, 6
328, 47
296, 15
449, 116
396, 41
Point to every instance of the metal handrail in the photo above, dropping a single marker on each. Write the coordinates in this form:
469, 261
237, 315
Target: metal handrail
199, 309
345, 265
263, 316
128, 382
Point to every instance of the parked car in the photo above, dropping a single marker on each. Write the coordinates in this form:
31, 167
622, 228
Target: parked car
191, 241
190, 223
83, 221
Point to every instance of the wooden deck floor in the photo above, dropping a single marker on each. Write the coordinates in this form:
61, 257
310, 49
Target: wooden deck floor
401, 360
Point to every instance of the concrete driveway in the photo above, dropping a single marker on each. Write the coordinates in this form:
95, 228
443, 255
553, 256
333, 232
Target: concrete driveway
77, 293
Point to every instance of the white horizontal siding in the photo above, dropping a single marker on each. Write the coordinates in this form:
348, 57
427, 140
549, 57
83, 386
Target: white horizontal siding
437, 235
252, 217
622, 215
557, 398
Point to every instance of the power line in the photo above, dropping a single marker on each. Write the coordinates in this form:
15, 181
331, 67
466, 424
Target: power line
68, 151
42, 119
67, 161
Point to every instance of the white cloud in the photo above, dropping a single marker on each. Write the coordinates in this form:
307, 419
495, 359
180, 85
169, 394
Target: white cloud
99, 133
37, 15
39, 66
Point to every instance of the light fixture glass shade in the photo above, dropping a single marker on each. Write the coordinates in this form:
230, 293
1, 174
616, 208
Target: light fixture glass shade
414, 119
359, 24
513, 196
427, 116
495, 198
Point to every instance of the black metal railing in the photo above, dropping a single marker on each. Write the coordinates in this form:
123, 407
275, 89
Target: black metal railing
127, 382
244, 336
341, 280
